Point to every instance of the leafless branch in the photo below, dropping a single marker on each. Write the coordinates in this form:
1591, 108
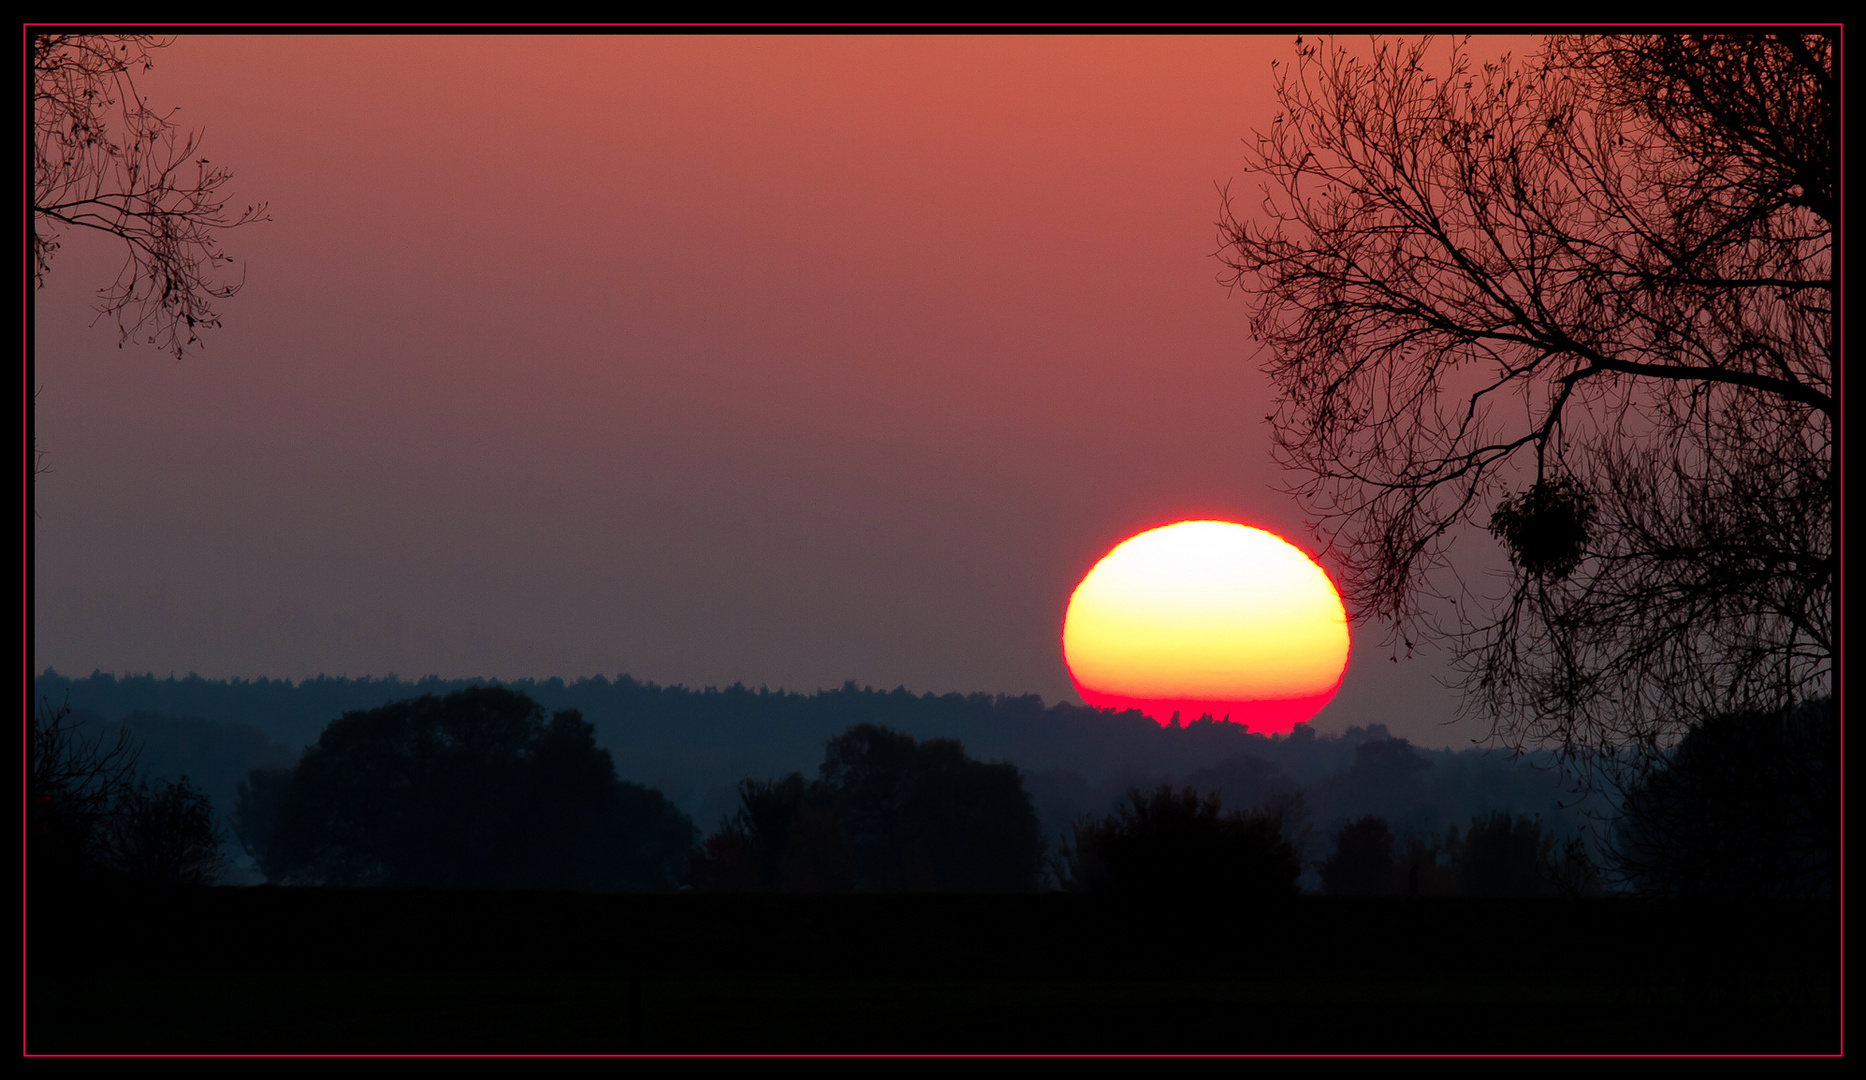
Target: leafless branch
1608, 272
106, 160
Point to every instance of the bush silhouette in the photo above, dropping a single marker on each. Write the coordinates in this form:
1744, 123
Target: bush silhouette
1167, 841
162, 835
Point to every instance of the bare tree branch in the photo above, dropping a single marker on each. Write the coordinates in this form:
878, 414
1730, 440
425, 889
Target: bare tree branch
104, 159
1588, 301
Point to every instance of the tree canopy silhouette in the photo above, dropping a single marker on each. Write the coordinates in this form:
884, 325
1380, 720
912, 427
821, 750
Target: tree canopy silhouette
748, 852
923, 814
887, 813
474, 790
1587, 303
1746, 805
105, 159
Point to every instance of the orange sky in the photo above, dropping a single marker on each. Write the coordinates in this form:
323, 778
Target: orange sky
782, 360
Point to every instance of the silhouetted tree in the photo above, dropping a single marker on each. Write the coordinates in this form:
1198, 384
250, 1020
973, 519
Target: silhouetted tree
724, 862
748, 850
887, 813
1362, 863
1506, 856
1423, 865
91, 823
923, 815
162, 835
1575, 871
1167, 841
107, 160
636, 841
474, 790
820, 856
1748, 804
1386, 767
1588, 303
765, 814
1243, 779
72, 782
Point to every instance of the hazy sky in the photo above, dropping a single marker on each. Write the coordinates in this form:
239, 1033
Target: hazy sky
780, 360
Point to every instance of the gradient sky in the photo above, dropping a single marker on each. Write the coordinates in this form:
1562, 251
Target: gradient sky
781, 360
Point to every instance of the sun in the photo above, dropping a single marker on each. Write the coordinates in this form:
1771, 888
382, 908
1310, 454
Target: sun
1208, 617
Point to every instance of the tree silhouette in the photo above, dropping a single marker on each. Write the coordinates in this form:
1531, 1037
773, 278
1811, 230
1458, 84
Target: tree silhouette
105, 159
1506, 856
162, 835
820, 856
1243, 779
1167, 841
1362, 863
72, 782
1575, 872
90, 822
1420, 863
887, 813
474, 790
923, 815
1747, 805
748, 850
1586, 302
636, 841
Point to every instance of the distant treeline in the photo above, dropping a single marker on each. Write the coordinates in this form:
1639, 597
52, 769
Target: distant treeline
695, 746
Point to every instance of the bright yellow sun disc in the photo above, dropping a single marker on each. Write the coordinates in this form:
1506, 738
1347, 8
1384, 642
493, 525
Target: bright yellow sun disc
1208, 616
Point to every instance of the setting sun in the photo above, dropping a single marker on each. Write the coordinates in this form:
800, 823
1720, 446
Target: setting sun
1208, 617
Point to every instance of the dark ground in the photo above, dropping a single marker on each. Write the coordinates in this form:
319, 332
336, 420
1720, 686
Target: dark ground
265, 969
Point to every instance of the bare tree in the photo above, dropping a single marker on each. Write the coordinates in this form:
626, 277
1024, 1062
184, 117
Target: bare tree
89, 819
73, 779
1587, 303
162, 835
105, 159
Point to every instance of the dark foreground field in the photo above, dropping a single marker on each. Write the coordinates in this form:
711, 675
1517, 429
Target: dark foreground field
265, 969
